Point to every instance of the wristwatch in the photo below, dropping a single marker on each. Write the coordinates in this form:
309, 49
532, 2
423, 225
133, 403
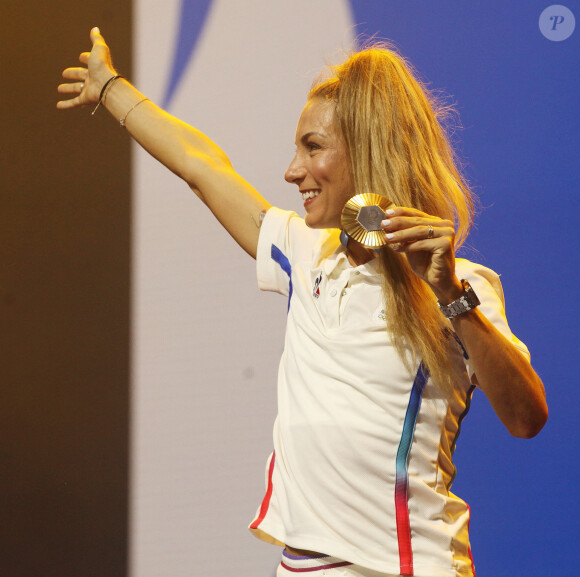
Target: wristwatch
466, 302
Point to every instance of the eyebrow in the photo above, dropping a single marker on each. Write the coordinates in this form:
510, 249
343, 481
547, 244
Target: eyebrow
306, 136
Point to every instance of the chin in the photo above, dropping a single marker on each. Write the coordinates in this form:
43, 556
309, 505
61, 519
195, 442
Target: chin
319, 223
315, 224
310, 221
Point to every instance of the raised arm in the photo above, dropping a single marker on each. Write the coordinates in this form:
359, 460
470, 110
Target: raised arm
181, 148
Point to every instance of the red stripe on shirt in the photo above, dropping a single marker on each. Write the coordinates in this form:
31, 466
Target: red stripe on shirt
267, 496
469, 549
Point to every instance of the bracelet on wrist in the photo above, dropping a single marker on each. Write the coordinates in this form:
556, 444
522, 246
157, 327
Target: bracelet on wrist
124, 119
104, 91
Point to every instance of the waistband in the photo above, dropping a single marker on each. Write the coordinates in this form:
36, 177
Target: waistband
310, 563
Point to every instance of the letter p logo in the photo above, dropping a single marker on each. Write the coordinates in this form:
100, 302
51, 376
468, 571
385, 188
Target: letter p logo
556, 20
557, 23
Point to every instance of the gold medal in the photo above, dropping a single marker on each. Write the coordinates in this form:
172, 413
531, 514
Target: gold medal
361, 219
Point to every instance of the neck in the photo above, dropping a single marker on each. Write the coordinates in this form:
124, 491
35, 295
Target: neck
358, 254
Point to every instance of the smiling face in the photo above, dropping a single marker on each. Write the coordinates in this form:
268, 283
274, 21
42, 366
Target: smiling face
320, 167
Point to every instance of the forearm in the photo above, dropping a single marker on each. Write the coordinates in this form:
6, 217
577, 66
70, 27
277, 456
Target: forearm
511, 385
193, 157
184, 150
180, 147
513, 388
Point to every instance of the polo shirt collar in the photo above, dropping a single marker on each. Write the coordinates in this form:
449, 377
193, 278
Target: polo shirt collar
333, 257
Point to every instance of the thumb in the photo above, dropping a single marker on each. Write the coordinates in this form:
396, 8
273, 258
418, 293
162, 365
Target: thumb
96, 35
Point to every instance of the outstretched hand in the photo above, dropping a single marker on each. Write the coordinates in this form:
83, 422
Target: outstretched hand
86, 82
428, 242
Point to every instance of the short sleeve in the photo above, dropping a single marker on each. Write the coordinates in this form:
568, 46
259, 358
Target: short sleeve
285, 245
273, 256
487, 286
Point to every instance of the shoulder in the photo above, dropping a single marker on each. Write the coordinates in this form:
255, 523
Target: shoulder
487, 286
289, 233
480, 277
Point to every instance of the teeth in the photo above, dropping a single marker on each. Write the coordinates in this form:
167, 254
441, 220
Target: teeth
310, 194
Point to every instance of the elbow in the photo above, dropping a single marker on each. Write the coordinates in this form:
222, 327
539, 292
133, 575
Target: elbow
533, 411
529, 428
198, 169
527, 432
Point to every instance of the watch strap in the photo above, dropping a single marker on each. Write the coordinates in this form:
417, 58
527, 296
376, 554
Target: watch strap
466, 302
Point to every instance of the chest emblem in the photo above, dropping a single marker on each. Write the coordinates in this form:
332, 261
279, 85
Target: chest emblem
316, 288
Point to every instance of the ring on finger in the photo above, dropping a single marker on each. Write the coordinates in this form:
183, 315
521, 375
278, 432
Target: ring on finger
430, 231
82, 86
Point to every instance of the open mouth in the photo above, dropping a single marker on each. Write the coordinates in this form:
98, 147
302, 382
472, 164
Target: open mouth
309, 194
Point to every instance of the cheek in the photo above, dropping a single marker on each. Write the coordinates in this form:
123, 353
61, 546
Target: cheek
334, 168
344, 182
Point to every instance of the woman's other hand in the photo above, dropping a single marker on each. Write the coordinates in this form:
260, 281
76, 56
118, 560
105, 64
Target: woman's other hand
86, 82
506, 377
429, 245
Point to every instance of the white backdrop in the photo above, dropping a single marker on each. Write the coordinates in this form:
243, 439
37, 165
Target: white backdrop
206, 343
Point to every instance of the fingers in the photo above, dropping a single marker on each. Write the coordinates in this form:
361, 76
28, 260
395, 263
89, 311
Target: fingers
96, 35
67, 104
82, 85
98, 40
440, 245
416, 227
71, 88
79, 74
415, 230
407, 211
421, 231
417, 239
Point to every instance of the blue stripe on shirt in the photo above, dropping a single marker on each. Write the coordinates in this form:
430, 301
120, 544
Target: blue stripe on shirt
279, 257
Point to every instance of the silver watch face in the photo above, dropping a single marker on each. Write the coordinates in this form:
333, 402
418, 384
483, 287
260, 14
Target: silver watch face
466, 302
469, 295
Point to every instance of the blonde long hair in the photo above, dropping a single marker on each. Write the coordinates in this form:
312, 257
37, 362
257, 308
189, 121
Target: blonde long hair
391, 125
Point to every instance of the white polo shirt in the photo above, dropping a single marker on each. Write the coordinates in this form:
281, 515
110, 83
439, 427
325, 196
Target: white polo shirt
362, 460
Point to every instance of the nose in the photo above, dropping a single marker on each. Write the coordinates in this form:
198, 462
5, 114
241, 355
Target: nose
295, 172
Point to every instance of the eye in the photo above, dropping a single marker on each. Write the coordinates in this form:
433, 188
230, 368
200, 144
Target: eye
310, 145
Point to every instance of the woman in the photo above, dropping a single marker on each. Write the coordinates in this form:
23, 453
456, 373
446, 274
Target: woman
383, 347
